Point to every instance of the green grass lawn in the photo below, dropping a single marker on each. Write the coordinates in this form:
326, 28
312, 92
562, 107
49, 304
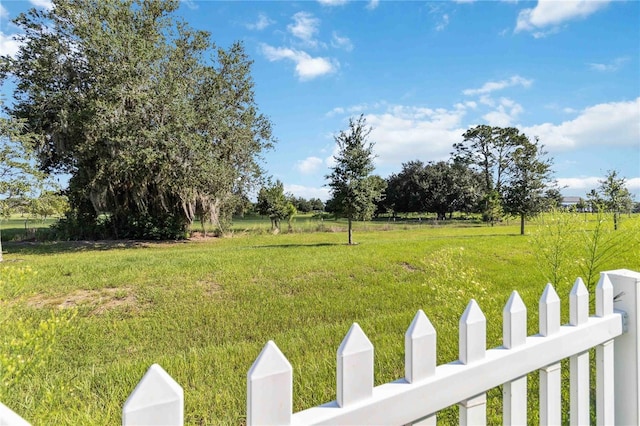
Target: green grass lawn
204, 309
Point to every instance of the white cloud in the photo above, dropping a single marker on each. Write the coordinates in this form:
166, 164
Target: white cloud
8, 44
373, 4
45, 4
332, 2
309, 165
4, 13
610, 67
582, 185
262, 23
335, 111
578, 184
305, 27
608, 124
633, 184
443, 23
356, 109
492, 86
308, 192
191, 4
405, 133
551, 13
341, 42
505, 114
307, 67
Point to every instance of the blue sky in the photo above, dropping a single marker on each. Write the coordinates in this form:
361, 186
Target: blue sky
423, 72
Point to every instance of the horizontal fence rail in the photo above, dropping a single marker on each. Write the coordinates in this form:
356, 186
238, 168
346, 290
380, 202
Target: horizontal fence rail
428, 388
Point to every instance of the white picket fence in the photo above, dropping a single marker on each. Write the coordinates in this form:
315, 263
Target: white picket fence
427, 388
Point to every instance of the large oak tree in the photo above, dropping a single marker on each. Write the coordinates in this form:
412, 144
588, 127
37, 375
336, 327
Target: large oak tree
155, 124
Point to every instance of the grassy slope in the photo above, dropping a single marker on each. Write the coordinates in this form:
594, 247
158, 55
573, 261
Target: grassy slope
203, 310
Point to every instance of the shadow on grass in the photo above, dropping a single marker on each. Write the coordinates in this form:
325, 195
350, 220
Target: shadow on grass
55, 247
299, 245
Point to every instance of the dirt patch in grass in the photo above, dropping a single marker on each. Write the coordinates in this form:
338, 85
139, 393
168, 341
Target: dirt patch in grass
210, 288
100, 301
408, 267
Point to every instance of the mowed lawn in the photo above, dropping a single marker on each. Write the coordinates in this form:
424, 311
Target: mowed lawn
204, 309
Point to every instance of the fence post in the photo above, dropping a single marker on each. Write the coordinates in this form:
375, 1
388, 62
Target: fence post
626, 290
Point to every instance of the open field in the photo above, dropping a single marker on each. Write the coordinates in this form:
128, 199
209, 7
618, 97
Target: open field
204, 309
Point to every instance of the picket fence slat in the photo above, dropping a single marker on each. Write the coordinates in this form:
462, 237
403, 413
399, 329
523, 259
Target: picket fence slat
473, 411
472, 334
355, 367
419, 349
605, 401
550, 375
550, 398
579, 364
472, 347
270, 388
514, 334
157, 399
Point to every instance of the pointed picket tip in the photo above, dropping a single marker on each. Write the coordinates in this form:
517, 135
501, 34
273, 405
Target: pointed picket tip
579, 289
355, 341
473, 314
514, 304
472, 334
604, 296
270, 388
549, 295
549, 311
514, 322
270, 361
578, 303
419, 349
156, 399
420, 326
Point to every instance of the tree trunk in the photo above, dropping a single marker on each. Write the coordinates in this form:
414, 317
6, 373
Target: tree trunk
0, 247
350, 233
615, 221
522, 224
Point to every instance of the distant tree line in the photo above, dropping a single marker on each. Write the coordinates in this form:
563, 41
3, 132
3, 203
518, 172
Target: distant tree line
494, 171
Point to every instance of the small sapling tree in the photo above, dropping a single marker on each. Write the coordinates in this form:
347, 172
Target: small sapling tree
354, 190
615, 196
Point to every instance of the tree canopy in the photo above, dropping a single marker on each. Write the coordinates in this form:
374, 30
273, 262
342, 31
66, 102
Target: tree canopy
155, 124
273, 202
528, 176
